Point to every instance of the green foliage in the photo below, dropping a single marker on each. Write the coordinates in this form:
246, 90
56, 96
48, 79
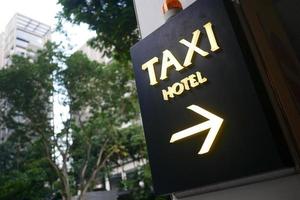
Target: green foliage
140, 185
114, 22
26, 175
104, 113
25, 90
103, 129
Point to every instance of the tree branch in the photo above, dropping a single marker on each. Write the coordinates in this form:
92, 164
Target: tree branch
99, 165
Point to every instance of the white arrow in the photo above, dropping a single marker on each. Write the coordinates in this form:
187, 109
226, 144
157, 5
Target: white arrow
213, 123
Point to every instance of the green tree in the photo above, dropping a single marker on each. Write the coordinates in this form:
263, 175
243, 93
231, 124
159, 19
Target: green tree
139, 185
102, 103
116, 28
114, 22
103, 129
104, 110
24, 173
25, 91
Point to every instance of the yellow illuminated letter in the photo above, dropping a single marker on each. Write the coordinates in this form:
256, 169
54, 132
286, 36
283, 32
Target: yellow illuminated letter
192, 48
200, 78
178, 88
150, 67
168, 93
168, 61
211, 37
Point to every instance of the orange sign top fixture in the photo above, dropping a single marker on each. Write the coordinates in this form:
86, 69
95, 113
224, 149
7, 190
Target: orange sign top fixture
171, 4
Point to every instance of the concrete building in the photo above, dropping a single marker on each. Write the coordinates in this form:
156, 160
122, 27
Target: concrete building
94, 54
22, 36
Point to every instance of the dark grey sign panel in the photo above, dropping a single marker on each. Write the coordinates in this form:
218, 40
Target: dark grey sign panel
203, 119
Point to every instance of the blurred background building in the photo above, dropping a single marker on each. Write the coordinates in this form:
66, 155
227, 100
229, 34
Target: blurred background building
94, 54
22, 36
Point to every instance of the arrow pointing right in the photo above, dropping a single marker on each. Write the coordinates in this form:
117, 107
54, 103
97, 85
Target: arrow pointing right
213, 123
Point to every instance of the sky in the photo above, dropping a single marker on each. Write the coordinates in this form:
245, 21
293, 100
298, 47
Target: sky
43, 11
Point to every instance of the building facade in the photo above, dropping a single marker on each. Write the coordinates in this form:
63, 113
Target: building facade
94, 54
22, 36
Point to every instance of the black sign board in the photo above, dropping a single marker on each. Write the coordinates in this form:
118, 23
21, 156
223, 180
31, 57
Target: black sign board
202, 116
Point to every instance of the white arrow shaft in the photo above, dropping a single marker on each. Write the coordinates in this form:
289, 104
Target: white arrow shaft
190, 131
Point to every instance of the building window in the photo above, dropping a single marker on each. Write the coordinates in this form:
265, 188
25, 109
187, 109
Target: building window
21, 39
